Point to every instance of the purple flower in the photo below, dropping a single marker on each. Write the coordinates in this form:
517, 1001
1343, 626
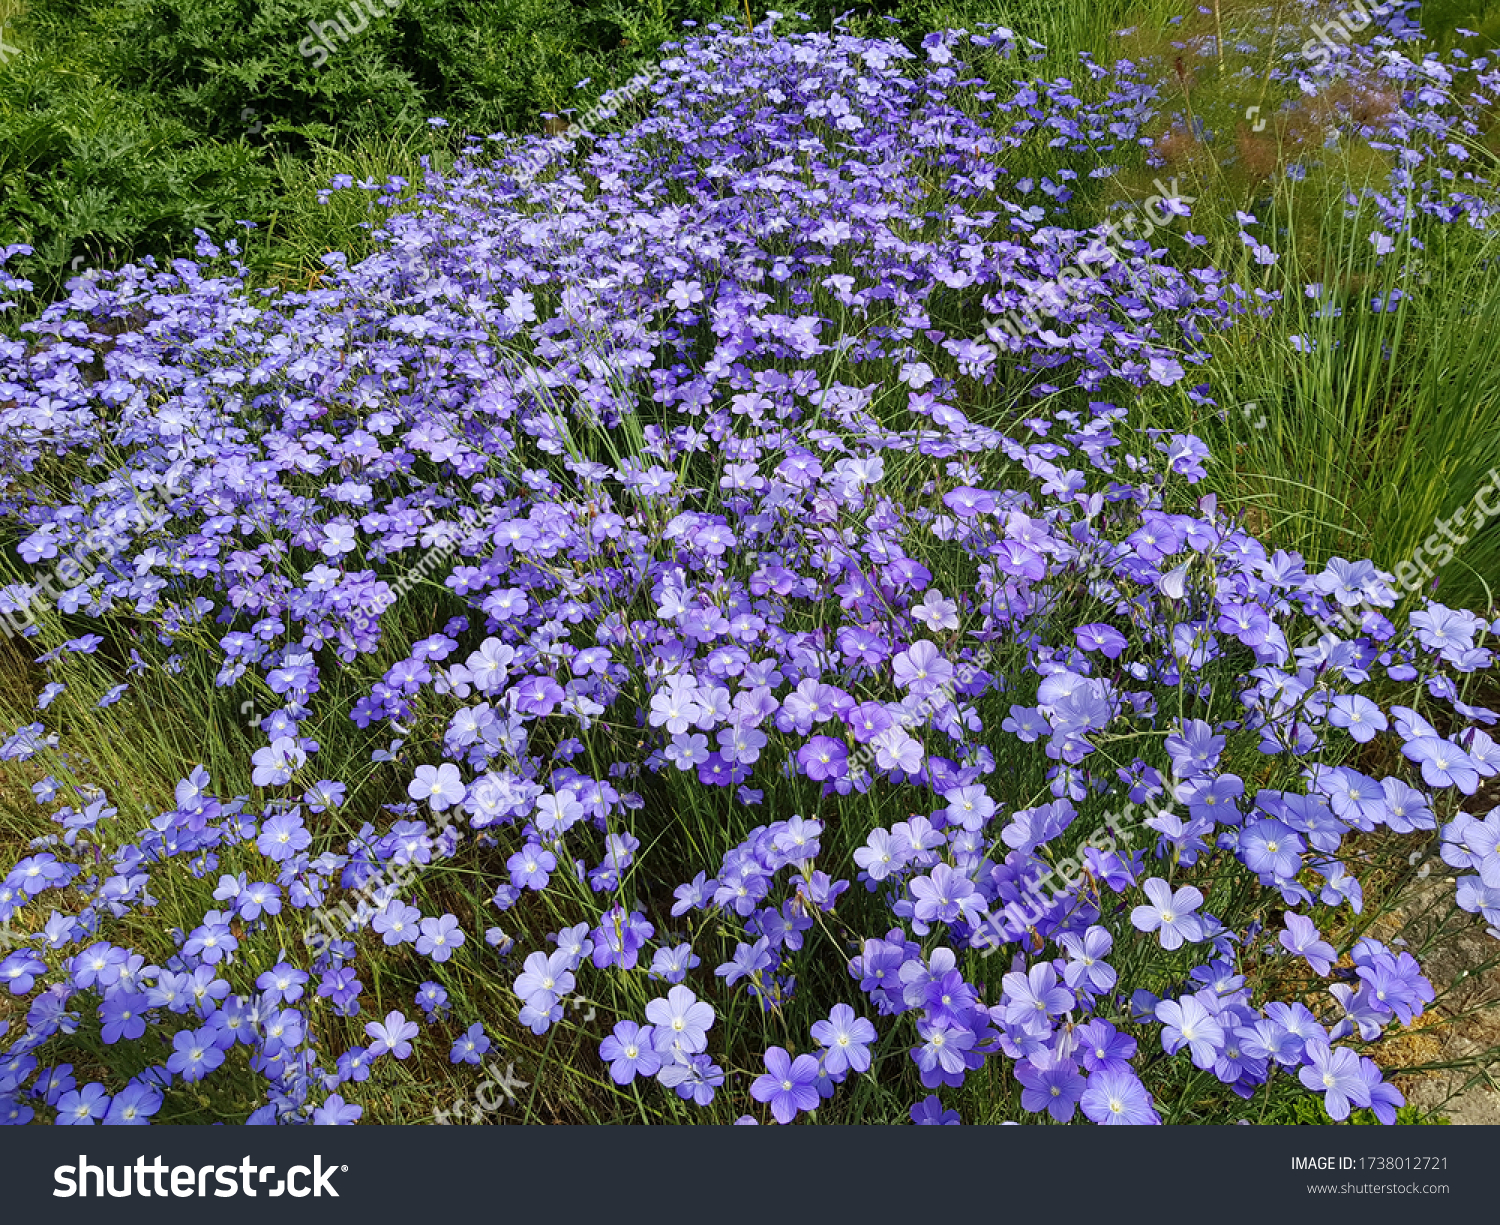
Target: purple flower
545, 979
398, 923
342, 989
922, 670
212, 941
846, 1038
441, 786
82, 1106
749, 960
1050, 1083
929, 1112
1335, 1073
944, 1047
1188, 1023
1300, 936
740, 742
895, 750
1195, 749
822, 758
1087, 969
557, 812
133, 1106
538, 695
1117, 1098
531, 867
1034, 995
630, 1051
20, 971
1103, 1048
123, 1017
283, 1032
98, 965
194, 1054
257, 898
471, 1046
619, 938
969, 807
1359, 715
282, 837
323, 795
945, 896
338, 539
394, 1034
1269, 1040
788, 1084
1396, 983
885, 852
681, 1020
1102, 638
439, 937
1443, 764
1270, 847
282, 983
868, 720
1169, 914
336, 1112
1385, 1099
276, 763
694, 1078
673, 964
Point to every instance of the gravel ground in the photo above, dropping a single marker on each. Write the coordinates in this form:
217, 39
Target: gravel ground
1463, 1024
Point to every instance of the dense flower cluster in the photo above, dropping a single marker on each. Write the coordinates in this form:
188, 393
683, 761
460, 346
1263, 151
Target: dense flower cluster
702, 437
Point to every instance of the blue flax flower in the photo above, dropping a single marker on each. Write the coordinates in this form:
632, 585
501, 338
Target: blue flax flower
630, 1051
1169, 914
846, 1037
1117, 1098
788, 1084
82, 1106
393, 1035
1335, 1073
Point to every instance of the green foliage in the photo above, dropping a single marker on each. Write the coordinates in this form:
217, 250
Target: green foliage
1307, 1111
125, 124
88, 172
315, 70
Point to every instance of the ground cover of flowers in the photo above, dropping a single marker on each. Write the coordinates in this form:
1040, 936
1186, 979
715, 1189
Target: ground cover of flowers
640, 632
